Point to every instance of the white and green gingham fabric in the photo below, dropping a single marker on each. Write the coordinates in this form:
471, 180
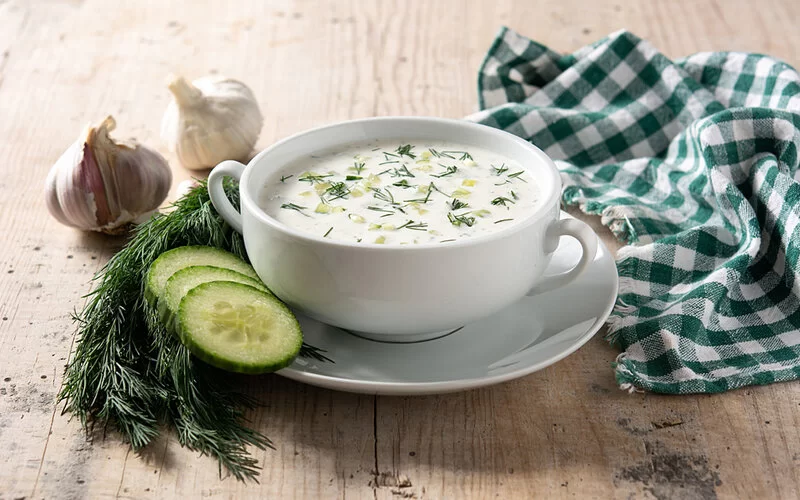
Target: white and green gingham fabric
694, 162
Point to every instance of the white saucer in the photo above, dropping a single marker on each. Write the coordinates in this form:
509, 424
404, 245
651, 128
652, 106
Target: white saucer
523, 338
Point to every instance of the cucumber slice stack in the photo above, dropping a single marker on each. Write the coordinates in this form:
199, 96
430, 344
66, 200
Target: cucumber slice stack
219, 309
179, 284
178, 258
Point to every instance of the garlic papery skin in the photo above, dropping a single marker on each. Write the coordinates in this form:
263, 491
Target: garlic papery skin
186, 187
210, 120
100, 184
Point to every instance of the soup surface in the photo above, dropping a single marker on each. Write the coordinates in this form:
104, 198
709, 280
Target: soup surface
401, 192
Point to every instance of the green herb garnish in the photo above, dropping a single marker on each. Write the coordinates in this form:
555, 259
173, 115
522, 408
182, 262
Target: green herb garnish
292, 206
284, 177
353, 178
358, 166
383, 196
403, 184
456, 204
448, 171
379, 209
501, 200
458, 220
445, 241
129, 373
416, 226
501, 170
502, 220
313, 178
464, 155
402, 172
431, 187
327, 232
405, 150
514, 195
336, 190
516, 175
440, 154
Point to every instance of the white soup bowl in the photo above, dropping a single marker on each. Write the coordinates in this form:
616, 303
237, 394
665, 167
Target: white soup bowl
400, 293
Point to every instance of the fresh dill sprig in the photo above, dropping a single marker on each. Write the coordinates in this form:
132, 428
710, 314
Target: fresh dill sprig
440, 154
128, 372
514, 195
312, 178
292, 206
405, 150
445, 241
516, 175
327, 232
456, 204
500, 170
402, 171
502, 220
403, 184
358, 166
336, 190
501, 200
449, 170
379, 209
284, 177
353, 178
464, 155
458, 220
383, 196
386, 156
431, 187
416, 226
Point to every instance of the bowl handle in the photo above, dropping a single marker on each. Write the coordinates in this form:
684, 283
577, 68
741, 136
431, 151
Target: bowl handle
219, 199
585, 236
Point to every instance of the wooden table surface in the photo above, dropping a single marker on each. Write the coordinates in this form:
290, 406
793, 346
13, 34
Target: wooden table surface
564, 431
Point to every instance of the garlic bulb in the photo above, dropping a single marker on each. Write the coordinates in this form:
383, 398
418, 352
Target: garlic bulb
210, 120
100, 184
186, 187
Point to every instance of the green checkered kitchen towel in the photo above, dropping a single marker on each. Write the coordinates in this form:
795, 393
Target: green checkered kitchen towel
694, 162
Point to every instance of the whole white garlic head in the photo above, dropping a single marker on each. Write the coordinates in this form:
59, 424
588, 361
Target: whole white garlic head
186, 187
100, 184
210, 120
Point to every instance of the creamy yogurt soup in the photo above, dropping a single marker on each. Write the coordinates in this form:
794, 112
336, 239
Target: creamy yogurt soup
401, 193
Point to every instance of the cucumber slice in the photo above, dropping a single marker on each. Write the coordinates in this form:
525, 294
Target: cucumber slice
176, 259
189, 277
239, 328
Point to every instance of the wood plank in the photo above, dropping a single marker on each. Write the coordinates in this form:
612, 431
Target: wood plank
564, 431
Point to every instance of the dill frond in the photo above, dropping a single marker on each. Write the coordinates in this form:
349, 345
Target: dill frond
129, 372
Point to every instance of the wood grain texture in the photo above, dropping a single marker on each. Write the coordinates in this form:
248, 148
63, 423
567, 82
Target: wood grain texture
565, 431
